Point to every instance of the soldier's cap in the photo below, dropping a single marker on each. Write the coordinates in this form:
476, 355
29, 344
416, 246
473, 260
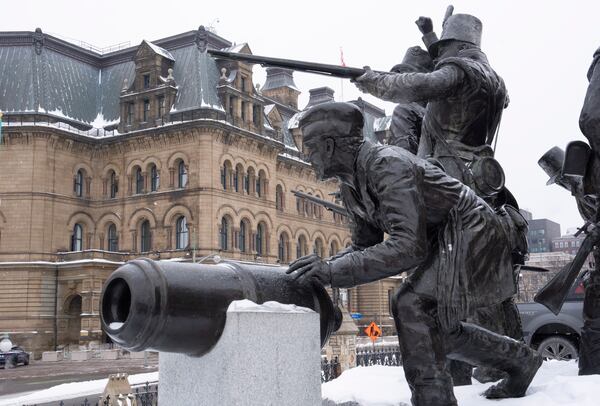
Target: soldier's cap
459, 27
416, 59
552, 162
336, 117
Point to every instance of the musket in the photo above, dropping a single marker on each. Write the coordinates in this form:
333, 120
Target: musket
301, 66
555, 292
336, 208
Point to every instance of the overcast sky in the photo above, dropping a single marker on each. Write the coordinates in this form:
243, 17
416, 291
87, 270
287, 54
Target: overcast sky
542, 49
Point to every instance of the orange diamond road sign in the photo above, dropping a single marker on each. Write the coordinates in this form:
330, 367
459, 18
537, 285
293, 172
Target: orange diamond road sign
373, 331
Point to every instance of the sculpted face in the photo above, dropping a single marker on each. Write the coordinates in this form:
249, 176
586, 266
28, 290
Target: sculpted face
318, 150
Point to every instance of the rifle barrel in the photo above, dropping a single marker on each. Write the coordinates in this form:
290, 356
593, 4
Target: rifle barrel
328, 205
302, 66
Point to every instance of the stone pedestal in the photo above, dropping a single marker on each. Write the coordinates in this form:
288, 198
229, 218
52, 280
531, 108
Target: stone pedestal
262, 358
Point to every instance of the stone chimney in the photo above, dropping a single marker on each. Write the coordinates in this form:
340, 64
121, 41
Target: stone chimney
281, 87
320, 95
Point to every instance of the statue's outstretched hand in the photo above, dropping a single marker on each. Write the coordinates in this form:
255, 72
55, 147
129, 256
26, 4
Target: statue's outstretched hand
310, 267
425, 25
366, 81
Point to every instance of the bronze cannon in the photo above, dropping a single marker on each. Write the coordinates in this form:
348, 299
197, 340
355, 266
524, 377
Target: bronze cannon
182, 307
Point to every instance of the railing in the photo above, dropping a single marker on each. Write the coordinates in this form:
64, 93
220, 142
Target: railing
329, 369
385, 356
142, 395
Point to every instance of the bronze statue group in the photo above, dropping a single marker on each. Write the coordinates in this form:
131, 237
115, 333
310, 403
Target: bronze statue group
433, 203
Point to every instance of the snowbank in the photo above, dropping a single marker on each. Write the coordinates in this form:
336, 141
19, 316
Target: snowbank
74, 390
556, 384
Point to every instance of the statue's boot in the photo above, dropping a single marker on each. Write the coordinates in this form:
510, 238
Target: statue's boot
481, 347
485, 375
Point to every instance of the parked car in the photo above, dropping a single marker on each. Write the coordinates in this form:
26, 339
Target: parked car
555, 336
14, 357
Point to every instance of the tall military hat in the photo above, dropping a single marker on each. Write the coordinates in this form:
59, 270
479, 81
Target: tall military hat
459, 27
552, 162
416, 59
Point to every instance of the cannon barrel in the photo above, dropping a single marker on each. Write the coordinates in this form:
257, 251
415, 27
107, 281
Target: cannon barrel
182, 307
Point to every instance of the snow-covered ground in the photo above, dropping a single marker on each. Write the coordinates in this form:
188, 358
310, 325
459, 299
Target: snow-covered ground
556, 383
72, 390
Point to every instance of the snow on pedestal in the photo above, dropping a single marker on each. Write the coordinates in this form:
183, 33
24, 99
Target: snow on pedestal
556, 384
267, 355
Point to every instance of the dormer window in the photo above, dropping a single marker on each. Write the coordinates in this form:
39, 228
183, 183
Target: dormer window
129, 113
244, 106
243, 86
146, 81
146, 110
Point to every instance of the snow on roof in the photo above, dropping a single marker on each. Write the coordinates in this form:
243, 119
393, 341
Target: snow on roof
294, 122
160, 51
269, 108
235, 48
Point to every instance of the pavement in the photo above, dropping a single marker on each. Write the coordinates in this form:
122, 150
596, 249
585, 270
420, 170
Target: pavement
41, 375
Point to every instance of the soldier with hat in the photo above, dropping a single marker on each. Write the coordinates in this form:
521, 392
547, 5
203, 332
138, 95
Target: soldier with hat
465, 98
438, 230
407, 118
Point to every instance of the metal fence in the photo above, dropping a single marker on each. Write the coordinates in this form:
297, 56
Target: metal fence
385, 356
330, 369
142, 395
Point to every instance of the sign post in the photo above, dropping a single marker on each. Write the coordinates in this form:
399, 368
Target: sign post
374, 332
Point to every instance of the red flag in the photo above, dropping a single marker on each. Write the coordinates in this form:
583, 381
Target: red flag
342, 57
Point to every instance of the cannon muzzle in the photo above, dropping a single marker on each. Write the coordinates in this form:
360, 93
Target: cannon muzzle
182, 307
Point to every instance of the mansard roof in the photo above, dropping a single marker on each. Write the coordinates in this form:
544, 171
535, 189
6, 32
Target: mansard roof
44, 74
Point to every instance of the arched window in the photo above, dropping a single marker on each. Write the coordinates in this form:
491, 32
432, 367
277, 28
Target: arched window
319, 247
139, 180
77, 238
181, 233
260, 239
283, 248
242, 236
238, 178
224, 233
113, 239
182, 178
114, 188
154, 178
146, 237
79, 183
333, 248
301, 247
226, 176
279, 198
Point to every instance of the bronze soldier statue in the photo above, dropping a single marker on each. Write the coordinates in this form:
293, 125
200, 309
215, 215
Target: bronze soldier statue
579, 172
465, 98
407, 118
439, 231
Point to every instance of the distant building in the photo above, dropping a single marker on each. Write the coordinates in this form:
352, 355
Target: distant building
530, 282
567, 243
541, 233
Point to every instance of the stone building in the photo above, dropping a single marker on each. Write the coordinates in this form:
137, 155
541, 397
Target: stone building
156, 150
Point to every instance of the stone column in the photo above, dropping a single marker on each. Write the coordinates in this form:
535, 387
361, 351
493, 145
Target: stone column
343, 343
